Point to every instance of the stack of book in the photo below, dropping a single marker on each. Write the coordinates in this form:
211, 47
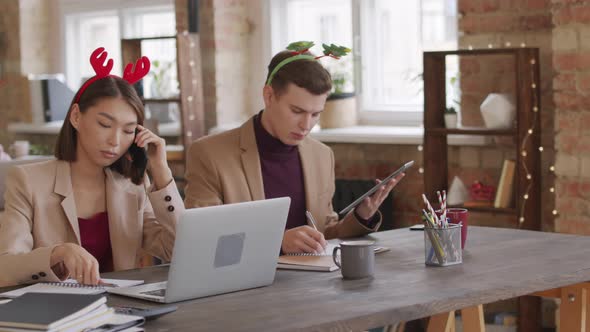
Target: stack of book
61, 312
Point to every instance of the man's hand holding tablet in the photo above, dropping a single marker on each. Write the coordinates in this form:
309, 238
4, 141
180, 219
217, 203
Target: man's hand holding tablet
369, 202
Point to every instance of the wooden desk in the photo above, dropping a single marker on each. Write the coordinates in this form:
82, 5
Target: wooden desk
498, 264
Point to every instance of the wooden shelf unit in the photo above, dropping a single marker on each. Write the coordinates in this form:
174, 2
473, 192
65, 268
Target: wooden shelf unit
474, 131
526, 71
160, 100
435, 133
489, 209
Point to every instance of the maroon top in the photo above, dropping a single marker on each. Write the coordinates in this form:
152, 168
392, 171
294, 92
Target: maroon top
95, 238
282, 174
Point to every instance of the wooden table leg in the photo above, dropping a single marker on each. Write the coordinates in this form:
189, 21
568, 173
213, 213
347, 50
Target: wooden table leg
473, 319
573, 309
444, 322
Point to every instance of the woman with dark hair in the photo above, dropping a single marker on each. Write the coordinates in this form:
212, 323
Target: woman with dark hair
93, 209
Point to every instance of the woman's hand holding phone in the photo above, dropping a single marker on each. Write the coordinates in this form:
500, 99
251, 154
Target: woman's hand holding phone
156, 154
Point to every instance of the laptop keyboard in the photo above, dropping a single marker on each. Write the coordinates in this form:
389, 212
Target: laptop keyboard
157, 292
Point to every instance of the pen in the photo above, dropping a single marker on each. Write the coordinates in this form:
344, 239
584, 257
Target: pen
313, 223
310, 217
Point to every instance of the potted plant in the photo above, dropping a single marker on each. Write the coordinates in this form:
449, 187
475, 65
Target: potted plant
340, 110
162, 86
450, 117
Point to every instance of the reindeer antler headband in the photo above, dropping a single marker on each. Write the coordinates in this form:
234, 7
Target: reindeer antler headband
97, 60
299, 48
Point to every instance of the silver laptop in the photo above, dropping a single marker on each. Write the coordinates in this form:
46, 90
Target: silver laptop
220, 249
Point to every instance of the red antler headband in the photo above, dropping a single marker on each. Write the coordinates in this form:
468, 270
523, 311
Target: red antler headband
97, 60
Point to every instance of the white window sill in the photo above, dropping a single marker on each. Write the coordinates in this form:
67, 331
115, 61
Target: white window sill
390, 135
355, 135
52, 128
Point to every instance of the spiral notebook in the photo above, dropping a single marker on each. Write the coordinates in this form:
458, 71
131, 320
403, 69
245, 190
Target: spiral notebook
315, 262
70, 286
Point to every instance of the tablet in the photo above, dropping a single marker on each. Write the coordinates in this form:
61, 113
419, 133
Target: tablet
377, 186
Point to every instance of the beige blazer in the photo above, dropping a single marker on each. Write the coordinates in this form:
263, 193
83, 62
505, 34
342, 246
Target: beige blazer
40, 213
225, 168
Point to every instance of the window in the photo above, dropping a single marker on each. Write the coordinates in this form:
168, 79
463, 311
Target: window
388, 38
89, 25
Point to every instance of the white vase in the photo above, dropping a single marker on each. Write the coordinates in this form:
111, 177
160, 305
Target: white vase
451, 120
498, 111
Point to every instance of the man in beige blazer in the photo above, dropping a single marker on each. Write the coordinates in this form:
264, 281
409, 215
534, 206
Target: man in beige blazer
270, 155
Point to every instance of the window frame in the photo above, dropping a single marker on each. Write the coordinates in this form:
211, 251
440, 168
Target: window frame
407, 115
73, 12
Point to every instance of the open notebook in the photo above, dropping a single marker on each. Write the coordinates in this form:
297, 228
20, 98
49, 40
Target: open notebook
70, 286
315, 262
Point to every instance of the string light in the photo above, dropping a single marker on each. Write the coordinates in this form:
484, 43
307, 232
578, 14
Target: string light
191, 99
507, 44
421, 170
551, 190
529, 132
490, 46
420, 148
552, 168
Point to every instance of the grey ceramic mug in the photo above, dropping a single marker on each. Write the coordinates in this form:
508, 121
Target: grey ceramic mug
357, 259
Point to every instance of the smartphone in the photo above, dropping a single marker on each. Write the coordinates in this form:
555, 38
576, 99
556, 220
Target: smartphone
139, 156
377, 186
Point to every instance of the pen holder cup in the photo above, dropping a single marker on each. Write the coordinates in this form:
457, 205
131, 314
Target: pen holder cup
442, 246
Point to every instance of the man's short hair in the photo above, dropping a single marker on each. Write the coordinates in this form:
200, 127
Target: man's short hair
307, 74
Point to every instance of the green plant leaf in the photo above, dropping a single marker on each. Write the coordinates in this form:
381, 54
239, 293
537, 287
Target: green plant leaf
300, 46
335, 50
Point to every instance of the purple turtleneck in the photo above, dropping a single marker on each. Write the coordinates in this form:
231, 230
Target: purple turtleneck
282, 174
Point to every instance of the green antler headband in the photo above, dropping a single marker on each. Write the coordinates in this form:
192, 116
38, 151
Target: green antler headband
299, 48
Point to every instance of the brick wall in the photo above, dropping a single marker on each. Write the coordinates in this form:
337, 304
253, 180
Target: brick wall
40, 36
571, 60
29, 33
12, 84
506, 23
225, 34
